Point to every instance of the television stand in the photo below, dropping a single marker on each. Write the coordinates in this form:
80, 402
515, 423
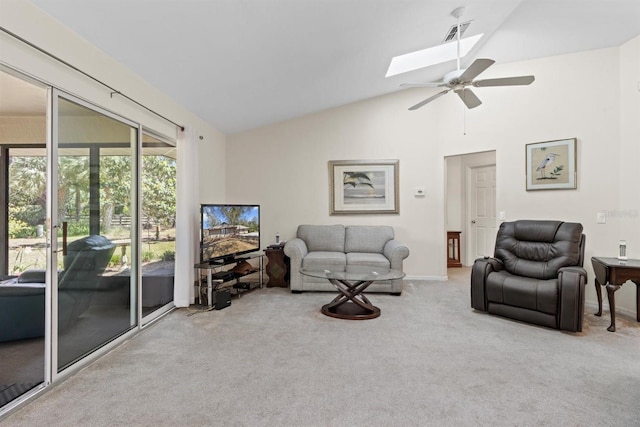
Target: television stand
219, 276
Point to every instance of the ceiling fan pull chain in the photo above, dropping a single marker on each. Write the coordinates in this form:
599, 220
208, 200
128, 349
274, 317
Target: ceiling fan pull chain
464, 115
464, 121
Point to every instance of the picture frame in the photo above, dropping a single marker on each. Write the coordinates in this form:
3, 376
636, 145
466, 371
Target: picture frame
364, 187
551, 165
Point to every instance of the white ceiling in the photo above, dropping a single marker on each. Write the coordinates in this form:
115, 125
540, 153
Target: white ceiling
241, 64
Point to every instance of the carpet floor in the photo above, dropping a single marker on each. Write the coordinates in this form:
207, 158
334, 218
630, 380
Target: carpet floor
272, 359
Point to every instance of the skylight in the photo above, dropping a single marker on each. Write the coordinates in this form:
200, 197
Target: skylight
431, 56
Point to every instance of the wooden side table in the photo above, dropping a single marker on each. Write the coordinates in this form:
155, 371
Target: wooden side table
277, 267
453, 249
612, 273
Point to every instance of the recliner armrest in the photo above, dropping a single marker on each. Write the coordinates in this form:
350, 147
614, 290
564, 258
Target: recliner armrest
479, 272
574, 269
571, 284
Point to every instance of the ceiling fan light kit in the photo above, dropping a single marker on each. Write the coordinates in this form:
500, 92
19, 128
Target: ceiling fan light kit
458, 79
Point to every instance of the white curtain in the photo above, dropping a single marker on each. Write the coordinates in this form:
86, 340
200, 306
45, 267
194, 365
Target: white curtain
187, 217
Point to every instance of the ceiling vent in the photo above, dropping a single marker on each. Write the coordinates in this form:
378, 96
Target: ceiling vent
452, 33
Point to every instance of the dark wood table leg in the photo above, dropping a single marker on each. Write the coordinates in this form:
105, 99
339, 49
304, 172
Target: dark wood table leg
611, 289
599, 294
637, 282
351, 303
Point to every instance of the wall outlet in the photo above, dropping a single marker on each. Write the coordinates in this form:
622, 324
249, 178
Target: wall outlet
502, 215
601, 218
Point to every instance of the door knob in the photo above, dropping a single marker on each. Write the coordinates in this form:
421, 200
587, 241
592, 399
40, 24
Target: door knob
473, 221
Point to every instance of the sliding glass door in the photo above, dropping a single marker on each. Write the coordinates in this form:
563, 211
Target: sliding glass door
95, 282
87, 239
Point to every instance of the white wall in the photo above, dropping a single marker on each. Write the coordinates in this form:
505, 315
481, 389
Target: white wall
30, 23
284, 166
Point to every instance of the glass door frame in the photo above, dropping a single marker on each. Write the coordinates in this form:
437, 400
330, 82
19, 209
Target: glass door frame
51, 305
149, 319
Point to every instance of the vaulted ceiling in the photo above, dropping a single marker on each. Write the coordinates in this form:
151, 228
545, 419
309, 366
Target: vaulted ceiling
241, 64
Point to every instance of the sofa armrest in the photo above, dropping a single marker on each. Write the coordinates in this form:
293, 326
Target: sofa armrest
295, 249
571, 284
32, 276
22, 312
395, 252
479, 272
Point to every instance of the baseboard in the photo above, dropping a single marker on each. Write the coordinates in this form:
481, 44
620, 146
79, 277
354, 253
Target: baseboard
182, 302
432, 278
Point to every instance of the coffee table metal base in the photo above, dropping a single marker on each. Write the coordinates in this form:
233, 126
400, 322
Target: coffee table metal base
351, 304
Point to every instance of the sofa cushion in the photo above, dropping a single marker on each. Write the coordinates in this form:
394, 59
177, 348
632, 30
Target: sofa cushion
323, 260
368, 259
367, 238
328, 238
523, 292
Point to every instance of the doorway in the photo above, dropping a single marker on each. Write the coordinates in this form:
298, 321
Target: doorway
471, 203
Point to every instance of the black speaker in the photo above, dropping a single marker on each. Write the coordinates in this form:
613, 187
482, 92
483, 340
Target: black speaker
222, 299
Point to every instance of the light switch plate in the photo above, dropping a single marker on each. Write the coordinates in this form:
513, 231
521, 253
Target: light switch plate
601, 218
419, 192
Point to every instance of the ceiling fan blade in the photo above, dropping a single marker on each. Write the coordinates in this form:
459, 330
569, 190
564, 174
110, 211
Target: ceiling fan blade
477, 67
505, 81
422, 84
469, 98
426, 101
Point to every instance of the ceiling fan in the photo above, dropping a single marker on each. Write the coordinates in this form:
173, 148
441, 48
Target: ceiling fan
459, 79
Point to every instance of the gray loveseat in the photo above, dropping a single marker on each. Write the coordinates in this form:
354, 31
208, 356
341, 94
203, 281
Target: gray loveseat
332, 247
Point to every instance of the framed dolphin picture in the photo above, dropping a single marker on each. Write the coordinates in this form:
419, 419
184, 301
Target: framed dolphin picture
363, 187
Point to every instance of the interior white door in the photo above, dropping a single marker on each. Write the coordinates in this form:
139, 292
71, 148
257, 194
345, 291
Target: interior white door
482, 211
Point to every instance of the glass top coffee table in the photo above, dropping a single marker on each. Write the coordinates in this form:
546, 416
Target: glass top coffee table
351, 303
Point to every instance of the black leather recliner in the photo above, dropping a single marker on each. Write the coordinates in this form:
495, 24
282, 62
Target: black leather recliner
535, 276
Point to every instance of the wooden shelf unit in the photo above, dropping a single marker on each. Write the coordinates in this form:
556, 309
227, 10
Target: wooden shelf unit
453, 249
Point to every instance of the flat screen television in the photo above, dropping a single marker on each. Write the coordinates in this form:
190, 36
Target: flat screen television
227, 231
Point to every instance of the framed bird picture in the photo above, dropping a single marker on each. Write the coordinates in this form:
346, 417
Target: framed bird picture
363, 187
551, 165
